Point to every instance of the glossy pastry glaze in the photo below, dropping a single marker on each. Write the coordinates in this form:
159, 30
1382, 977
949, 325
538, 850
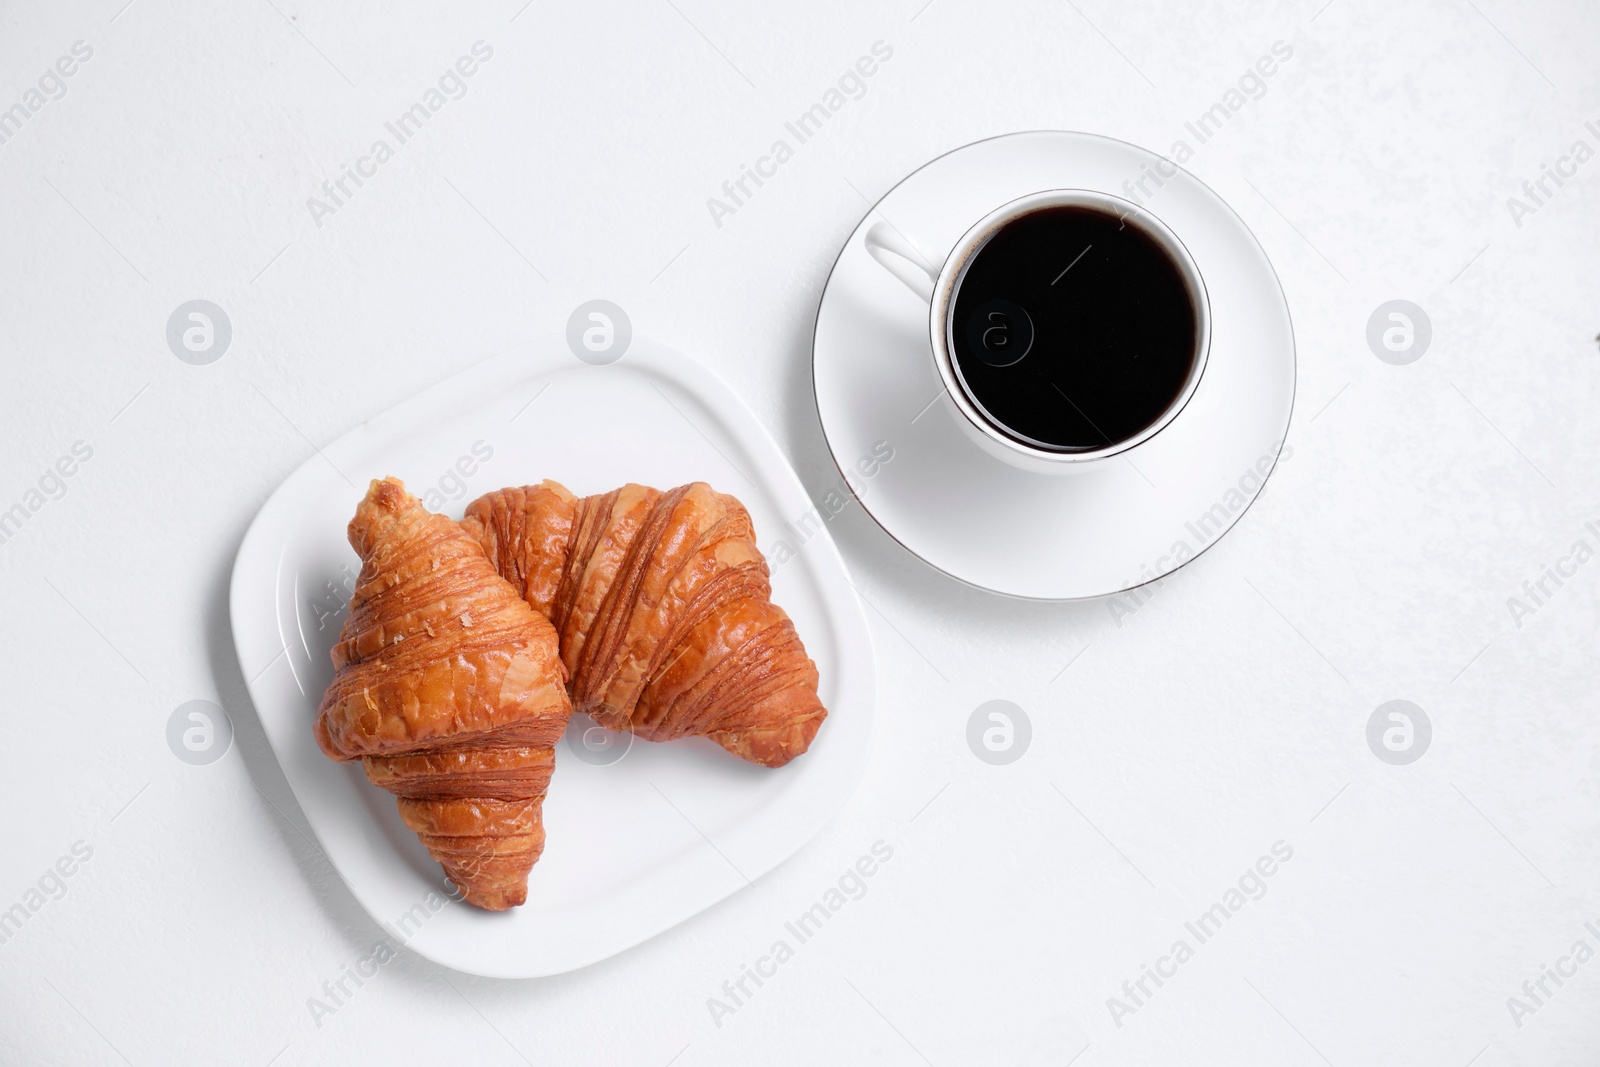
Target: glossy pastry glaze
449, 688
661, 601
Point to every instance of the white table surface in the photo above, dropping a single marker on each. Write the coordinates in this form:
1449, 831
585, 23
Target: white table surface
1227, 714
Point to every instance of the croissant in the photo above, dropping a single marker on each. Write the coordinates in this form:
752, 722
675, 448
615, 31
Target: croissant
449, 689
661, 603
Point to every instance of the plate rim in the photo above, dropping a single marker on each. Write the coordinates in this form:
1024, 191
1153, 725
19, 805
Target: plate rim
252, 608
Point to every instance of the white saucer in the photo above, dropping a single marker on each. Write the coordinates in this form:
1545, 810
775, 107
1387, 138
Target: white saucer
1049, 536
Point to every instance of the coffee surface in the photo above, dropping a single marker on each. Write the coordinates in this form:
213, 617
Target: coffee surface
1073, 329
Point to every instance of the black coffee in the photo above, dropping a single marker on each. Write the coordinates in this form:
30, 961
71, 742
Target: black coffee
1073, 329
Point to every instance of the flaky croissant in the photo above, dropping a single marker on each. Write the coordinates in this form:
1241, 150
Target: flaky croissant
448, 687
661, 602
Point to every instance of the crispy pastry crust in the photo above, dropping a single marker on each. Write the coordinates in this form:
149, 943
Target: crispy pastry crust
449, 688
661, 601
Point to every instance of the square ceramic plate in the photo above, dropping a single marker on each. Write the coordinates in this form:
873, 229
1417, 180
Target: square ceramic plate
640, 836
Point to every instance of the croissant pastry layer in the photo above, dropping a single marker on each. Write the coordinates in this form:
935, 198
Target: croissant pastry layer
662, 605
450, 690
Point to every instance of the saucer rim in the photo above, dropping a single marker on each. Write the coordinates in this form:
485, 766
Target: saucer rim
1294, 384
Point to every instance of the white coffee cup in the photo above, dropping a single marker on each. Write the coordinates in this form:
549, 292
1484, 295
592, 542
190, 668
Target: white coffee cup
937, 284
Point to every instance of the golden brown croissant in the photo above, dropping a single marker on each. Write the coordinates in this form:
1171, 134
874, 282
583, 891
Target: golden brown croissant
449, 688
661, 602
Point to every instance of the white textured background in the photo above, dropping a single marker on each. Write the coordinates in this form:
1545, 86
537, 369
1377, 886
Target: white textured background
1177, 748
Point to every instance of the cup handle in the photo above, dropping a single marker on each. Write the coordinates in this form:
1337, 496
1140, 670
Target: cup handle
896, 255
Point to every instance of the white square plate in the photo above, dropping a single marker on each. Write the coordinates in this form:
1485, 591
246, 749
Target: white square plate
634, 846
